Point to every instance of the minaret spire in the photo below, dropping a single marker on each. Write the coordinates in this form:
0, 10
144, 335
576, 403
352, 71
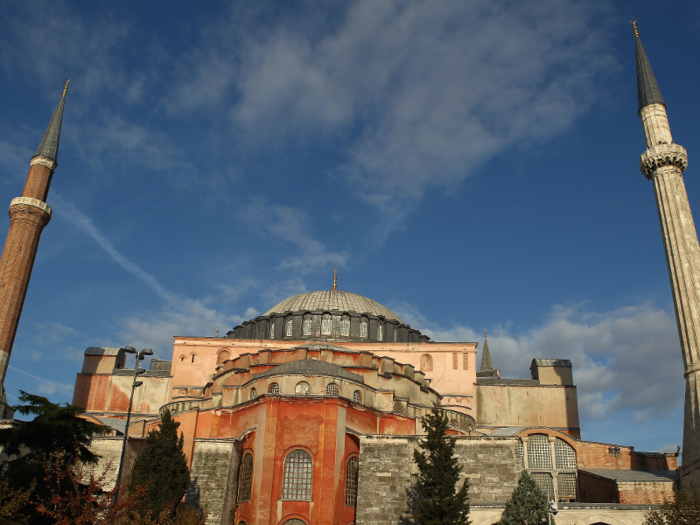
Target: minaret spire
486, 363
29, 214
664, 163
335, 279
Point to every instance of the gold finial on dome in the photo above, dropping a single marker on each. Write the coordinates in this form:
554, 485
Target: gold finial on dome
335, 279
634, 25
65, 87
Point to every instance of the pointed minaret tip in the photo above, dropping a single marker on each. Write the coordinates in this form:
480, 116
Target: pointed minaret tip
48, 147
647, 88
335, 279
486, 363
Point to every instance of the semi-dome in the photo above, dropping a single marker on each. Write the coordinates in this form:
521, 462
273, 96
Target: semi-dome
333, 300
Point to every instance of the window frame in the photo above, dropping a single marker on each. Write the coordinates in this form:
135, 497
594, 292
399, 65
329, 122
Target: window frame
355, 458
250, 479
311, 474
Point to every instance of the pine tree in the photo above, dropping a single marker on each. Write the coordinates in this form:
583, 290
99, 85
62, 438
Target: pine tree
161, 468
527, 505
436, 499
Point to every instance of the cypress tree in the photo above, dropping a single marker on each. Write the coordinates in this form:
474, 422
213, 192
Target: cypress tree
161, 468
527, 505
436, 499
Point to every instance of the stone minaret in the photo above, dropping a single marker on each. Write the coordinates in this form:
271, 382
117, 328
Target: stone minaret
28, 216
663, 163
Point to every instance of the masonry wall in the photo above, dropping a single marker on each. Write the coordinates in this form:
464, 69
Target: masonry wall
386, 469
645, 492
109, 449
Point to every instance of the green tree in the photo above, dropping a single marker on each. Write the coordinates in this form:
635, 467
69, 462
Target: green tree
161, 469
682, 510
435, 498
527, 505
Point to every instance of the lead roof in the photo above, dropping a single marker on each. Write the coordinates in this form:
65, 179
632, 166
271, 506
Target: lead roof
48, 147
647, 88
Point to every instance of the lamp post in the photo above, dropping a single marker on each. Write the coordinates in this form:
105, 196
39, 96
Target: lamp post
140, 356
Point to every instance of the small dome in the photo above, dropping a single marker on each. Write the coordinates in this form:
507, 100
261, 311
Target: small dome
333, 300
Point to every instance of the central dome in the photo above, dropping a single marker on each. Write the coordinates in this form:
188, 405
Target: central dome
333, 300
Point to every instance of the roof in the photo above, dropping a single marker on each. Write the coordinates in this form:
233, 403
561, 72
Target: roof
486, 363
634, 476
648, 91
98, 350
114, 422
333, 300
48, 147
551, 362
309, 367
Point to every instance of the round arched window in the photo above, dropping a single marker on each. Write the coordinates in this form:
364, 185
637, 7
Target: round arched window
332, 390
294, 521
253, 393
298, 471
357, 396
426, 363
302, 388
274, 389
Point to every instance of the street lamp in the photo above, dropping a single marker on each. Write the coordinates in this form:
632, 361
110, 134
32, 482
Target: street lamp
140, 356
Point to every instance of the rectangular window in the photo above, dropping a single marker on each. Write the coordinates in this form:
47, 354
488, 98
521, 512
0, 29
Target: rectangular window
345, 327
379, 333
363, 329
289, 328
455, 361
465, 361
326, 326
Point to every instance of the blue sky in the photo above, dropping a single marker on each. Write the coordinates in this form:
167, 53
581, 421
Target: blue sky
470, 165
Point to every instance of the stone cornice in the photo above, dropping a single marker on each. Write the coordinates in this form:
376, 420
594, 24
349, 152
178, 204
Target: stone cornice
661, 156
44, 161
36, 203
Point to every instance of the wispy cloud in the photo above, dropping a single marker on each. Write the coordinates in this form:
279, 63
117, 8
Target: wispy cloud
291, 225
627, 362
45, 386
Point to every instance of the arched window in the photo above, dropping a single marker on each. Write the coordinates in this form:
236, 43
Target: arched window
426, 363
332, 390
345, 327
379, 333
302, 388
274, 389
363, 329
556, 478
453, 423
298, 469
357, 396
290, 327
223, 356
539, 453
245, 477
193, 357
294, 521
564, 455
253, 393
272, 331
307, 326
351, 482
326, 325
182, 358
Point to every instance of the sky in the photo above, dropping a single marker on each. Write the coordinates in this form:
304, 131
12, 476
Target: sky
471, 165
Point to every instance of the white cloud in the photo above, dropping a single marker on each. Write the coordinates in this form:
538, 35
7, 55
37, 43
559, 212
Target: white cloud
423, 91
45, 386
291, 225
625, 363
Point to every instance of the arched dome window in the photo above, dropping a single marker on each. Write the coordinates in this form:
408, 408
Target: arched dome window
426, 363
357, 396
326, 325
351, 482
380, 335
290, 328
274, 389
363, 329
245, 477
332, 390
272, 331
302, 388
453, 423
253, 393
345, 327
298, 470
307, 326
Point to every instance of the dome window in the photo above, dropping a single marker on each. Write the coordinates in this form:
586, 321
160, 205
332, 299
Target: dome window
332, 390
302, 388
363, 329
272, 331
345, 327
380, 336
290, 327
274, 389
357, 396
326, 325
253, 394
307, 326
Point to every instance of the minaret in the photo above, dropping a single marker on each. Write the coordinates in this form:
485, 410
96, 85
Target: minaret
663, 163
28, 216
486, 363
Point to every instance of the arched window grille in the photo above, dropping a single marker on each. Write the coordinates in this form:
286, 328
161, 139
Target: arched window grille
351, 482
245, 477
272, 331
302, 388
307, 326
379, 333
539, 453
363, 329
426, 363
297, 476
564, 455
345, 327
290, 327
326, 325
332, 390
253, 393
274, 389
556, 477
357, 396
